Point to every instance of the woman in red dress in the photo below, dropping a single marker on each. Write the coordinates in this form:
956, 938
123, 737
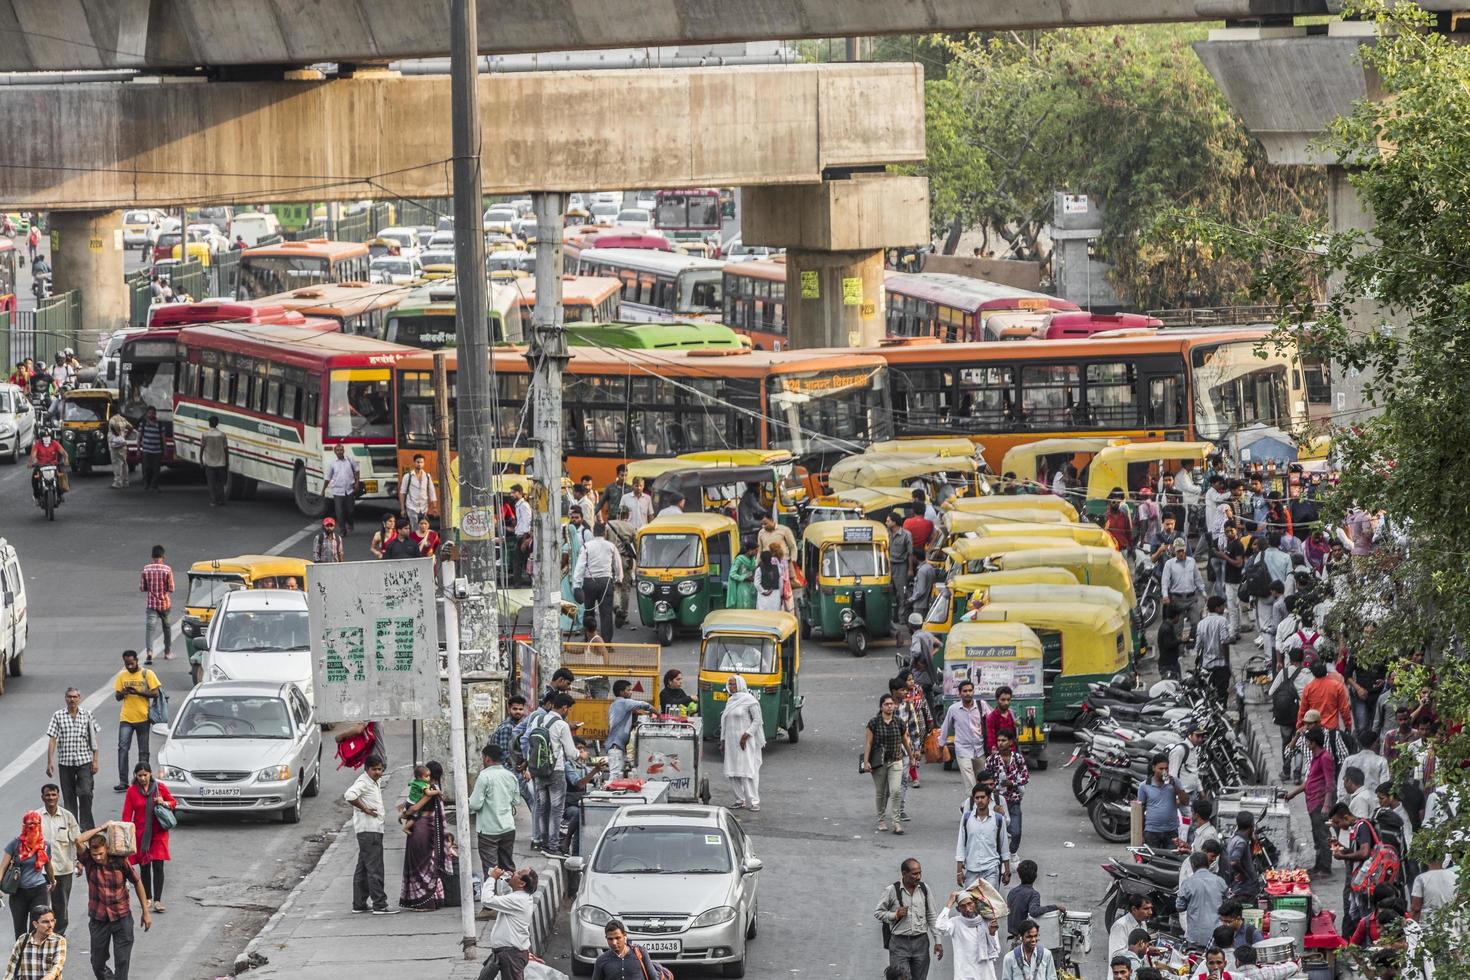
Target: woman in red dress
140, 806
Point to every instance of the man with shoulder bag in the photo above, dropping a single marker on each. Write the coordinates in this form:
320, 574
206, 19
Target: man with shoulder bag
908, 916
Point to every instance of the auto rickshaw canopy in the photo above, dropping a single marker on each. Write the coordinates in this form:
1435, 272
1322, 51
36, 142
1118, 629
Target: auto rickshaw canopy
825, 533
1092, 633
1109, 468
1021, 460
1092, 566
650, 469
928, 446
896, 469
773, 622
994, 525
971, 551
868, 500
1005, 504
692, 482
1001, 634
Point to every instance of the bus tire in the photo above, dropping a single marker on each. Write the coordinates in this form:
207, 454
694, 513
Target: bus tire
307, 502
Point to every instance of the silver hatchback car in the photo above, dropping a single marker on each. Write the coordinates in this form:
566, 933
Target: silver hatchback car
681, 878
242, 747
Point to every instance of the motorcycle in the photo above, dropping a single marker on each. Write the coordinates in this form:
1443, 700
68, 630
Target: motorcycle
1151, 873
1148, 588
49, 497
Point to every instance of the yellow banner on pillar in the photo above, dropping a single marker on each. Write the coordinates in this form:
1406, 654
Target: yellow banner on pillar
811, 285
852, 291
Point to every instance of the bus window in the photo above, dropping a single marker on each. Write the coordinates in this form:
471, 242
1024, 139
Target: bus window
987, 397
1112, 395
1049, 395
357, 405
1165, 405
922, 396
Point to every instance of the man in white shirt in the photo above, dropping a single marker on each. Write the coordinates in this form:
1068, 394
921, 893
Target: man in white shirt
1366, 760
1185, 484
340, 484
1361, 801
366, 797
1433, 889
1184, 762
675, 507
510, 936
60, 829
598, 566
416, 494
520, 533
637, 507
1140, 910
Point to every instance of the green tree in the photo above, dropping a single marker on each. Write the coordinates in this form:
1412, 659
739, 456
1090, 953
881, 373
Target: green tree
1126, 115
1408, 158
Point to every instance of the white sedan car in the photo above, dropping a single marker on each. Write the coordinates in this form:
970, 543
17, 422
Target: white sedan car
17, 423
395, 270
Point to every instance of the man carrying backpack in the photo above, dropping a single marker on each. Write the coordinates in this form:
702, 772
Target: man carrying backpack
1369, 863
1285, 693
908, 915
548, 747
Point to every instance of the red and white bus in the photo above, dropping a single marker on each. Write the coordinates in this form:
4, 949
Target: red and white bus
285, 397
955, 308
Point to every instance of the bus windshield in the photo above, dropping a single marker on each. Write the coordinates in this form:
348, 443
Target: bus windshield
147, 384
264, 275
1234, 388
426, 330
358, 405
700, 292
827, 408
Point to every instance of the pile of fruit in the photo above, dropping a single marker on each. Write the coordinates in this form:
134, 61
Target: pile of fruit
1287, 881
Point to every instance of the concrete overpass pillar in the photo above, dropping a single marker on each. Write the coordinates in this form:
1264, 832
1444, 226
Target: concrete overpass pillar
87, 254
834, 233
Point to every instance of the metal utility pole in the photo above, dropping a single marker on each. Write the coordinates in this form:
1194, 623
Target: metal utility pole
458, 762
547, 355
473, 395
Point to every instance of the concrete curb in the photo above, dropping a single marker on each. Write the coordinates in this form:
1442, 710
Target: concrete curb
548, 904
243, 962
1265, 746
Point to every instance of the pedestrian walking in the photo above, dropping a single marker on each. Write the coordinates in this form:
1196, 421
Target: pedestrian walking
598, 566
33, 242
637, 507
742, 739
1212, 648
365, 796
1024, 901
118, 431
549, 746
339, 484
326, 546
982, 847
493, 803
39, 954
974, 939
510, 936
156, 582
416, 494
885, 744
60, 829
28, 852
135, 687
1029, 960
109, 913
909, 917
965, 723
383, 536
623, 960
146, 799
1319, 789
150, 446
1182, 583
1007, 769
72, 756
214, 456
740, 585
520, 534
401, 545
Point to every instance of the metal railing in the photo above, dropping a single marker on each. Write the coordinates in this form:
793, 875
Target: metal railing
1217, 316
140, 298
54, 325
317, 229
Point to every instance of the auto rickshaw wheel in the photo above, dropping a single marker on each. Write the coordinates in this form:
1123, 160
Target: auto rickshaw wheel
664, 633
857, 642
793, 733
196, 673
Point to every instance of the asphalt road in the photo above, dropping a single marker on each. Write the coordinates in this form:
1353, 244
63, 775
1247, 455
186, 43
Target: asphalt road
81, 572
825, 864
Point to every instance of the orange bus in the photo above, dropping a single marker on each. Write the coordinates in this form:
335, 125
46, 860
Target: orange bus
621, 405
584, 299
755, 301
358, 307
285, 266
1171, 384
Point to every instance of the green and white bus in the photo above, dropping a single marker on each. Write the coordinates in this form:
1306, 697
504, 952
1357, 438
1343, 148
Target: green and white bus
425, 317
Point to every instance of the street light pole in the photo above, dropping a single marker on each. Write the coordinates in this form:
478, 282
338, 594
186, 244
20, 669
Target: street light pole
547, 355
458, 760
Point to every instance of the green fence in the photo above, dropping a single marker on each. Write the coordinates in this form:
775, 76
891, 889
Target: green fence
40, 333
317, 229
140, 297
224, 273
189, 279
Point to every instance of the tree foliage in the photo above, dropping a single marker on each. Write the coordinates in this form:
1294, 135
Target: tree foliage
1408, 158
1126, 115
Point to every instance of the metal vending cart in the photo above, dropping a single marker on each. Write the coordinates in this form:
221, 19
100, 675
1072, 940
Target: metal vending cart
670, 749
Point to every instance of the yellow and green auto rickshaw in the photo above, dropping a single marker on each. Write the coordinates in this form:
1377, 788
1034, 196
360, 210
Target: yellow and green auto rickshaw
82, 415
652, 468
929, 446
993, 655
960, 524
1092, 566
713, 488
1081, 642
212, 579
943, 477
763, 647
849, 589
860, 504
1006, 505
952, 597
683, 566
1135, 465
1036, 463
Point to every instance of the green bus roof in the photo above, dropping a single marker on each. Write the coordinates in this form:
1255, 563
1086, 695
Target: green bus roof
673, 335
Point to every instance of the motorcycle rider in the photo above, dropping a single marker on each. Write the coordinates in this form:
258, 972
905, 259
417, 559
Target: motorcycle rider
61, 371
48, 451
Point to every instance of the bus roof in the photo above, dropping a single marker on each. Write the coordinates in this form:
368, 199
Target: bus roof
259, 311
969, 294
675, 335
438, 297
575, 290
649, 260
767, 269
1169, 341
340, 298
318, 247
708, 362
616, 237
293, 345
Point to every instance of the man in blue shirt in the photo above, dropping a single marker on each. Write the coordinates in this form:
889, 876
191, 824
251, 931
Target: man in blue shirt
620, 715
1161, 796
983, 847
1200, 895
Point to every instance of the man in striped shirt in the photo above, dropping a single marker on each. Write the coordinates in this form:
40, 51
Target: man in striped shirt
157, 584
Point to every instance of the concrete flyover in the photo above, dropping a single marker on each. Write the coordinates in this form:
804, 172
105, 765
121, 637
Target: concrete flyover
166, 35
101, 146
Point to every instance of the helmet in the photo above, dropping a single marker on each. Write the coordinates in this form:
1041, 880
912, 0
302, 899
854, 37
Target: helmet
69, 352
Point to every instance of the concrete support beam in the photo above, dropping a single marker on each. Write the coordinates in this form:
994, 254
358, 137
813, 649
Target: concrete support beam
125, 144
87, 254
834, 234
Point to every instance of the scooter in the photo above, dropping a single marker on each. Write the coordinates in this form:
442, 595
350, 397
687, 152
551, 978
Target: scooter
50, 496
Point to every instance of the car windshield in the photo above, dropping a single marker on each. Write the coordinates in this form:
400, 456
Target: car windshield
7, 403
633, 216
846, 560
740, 654
437, 257
662, 851
137, 218
264, 631
206, 591
394, 267
670, 551
233, 717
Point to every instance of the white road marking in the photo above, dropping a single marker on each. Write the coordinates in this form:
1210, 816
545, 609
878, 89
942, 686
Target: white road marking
36, 751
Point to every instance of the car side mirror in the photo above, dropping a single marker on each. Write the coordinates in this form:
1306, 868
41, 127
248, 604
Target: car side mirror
751, 865
161, 731
574, 863
201, 643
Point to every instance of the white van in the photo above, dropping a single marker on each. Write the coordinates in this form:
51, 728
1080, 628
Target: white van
14, 626
252, 226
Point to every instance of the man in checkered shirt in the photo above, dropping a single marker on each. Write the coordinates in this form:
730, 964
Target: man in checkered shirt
40, 953
157, 583
72, 745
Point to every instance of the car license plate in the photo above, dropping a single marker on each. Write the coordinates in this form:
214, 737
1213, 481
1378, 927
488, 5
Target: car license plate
219, 791
674, 946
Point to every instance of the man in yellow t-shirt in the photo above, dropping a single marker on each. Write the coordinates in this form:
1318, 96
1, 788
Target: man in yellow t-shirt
136, 688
